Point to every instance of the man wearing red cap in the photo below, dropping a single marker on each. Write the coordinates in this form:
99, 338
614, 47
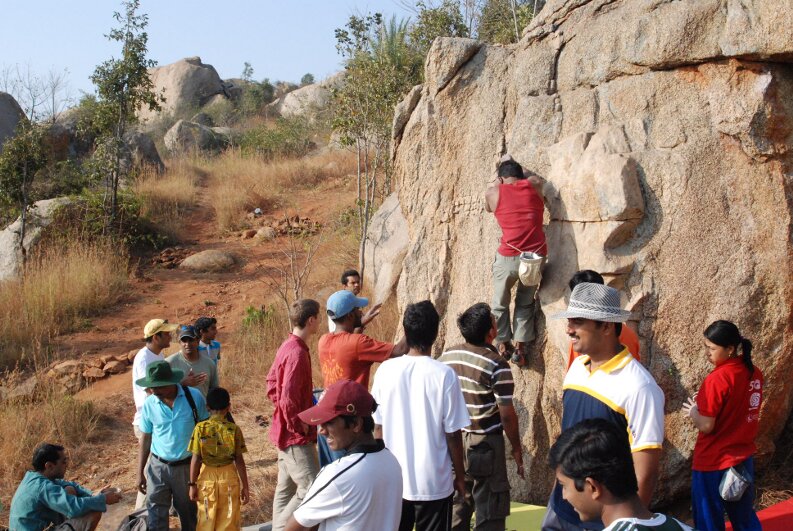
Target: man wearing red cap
362, 489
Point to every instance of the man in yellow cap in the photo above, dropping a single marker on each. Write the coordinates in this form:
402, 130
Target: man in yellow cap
157, 334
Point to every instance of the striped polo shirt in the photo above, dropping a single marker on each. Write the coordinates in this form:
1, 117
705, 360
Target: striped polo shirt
621, 391
486, 381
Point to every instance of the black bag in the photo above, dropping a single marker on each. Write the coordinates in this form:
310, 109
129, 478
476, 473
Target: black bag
137, 521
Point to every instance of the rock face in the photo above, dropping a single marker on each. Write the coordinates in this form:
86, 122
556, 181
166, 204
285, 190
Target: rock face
142, 152
10, 115
666, 147
187, 136
308, 100
38, 218
186, 84
209, 261
386, 244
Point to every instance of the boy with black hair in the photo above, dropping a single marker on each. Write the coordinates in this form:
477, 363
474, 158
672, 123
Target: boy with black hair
362, 489
594, 466
218, 479
420, 416
487, 385
351, 280
208, 330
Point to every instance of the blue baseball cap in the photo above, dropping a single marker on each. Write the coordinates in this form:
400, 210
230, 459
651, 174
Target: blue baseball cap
188, 331
343, 302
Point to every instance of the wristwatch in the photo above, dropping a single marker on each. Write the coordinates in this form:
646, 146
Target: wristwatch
191, 484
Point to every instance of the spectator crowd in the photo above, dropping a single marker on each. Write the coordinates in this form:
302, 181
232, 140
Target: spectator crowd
430, 445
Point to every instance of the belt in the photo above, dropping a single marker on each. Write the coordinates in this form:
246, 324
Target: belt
185, 461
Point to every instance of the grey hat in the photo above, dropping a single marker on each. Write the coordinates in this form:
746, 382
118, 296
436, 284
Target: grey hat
595, 302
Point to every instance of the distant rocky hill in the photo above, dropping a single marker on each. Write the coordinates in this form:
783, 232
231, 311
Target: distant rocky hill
664, 130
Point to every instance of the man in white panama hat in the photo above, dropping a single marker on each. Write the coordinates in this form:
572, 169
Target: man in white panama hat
607, 382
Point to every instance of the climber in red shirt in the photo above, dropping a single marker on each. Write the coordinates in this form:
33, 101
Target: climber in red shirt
517, 202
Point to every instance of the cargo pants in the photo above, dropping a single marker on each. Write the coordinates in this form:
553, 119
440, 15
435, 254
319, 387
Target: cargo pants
486, 484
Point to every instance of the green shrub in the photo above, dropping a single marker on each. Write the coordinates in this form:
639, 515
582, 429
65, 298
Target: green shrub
258, 317
86, 217
281, 138
254, 97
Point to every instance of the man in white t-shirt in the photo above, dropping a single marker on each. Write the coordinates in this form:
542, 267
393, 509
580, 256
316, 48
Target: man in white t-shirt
421, 412
594, 466
361, 490
157, 334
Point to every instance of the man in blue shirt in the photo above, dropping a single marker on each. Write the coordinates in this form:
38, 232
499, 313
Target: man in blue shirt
167, 420
43, 498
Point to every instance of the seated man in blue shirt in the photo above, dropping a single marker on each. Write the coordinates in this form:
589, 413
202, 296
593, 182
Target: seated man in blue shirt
167, 419
43, 498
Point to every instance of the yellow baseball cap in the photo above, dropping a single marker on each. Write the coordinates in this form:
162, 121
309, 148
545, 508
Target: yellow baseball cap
156, 326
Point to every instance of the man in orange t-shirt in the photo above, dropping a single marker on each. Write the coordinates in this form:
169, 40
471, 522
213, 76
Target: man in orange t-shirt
345, 355
627, 336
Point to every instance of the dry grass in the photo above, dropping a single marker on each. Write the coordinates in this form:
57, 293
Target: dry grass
166, 198
242, 183
53, 418
62, 286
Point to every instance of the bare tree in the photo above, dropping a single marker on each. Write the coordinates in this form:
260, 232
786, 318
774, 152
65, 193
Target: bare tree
59, 92
41, 98
289, 281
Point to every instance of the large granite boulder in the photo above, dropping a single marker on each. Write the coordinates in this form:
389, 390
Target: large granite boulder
308, 100
187, 136
186, 84
142, 152
10, 115
209, 261
666, 146
386, 244
39, 216
66, 140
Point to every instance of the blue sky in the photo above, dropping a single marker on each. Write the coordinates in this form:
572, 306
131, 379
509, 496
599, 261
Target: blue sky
281, 39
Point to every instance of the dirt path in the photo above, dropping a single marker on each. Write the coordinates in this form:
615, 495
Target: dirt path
182, 296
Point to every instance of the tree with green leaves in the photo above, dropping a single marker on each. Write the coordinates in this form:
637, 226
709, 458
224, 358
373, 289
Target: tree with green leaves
123, 87
381, 67
502, 21
444, 20
307, 79
247, 72
22, 156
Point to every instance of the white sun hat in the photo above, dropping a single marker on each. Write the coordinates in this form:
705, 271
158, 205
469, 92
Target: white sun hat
595, 302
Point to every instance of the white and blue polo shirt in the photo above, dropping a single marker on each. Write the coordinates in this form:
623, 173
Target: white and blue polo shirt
621, 391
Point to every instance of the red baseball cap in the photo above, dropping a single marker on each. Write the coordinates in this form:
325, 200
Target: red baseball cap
345, 397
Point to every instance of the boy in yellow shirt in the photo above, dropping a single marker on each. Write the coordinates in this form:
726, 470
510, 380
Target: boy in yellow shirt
217, 469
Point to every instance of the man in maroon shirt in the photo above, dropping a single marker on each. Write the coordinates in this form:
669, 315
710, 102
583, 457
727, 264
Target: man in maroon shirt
290, 388
518, 206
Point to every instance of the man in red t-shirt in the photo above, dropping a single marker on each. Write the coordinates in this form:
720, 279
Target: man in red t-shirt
516, 200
